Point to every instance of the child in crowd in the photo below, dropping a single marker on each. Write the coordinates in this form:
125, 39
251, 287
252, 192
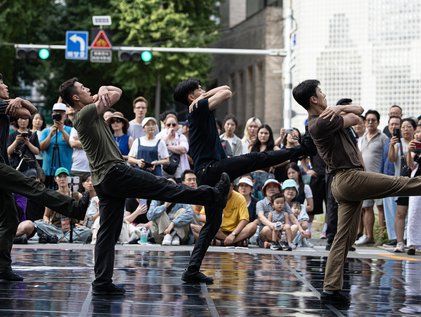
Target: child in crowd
300, 218
279, 217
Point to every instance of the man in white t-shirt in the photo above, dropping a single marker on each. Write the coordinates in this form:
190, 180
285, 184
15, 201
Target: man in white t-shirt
80, 163
140, 107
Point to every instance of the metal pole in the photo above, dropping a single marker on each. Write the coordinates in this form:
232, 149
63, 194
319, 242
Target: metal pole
286, 67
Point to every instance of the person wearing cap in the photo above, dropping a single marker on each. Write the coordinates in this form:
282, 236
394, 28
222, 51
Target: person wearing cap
114, 181
54, 224
54, 142
351, 184
148, 152
245, 188
119, 126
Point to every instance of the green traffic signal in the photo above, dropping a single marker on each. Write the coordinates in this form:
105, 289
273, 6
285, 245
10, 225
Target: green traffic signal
43, 53
146, 56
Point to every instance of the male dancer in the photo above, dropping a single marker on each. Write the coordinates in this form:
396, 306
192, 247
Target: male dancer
114, 180
351, 184
13, 181
210, 160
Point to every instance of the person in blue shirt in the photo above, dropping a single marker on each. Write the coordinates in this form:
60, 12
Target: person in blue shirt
54, 142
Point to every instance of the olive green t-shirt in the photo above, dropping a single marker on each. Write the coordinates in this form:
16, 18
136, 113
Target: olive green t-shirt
333, 143
97, 141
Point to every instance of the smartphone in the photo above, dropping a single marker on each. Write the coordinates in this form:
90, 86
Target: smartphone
397, 133
24, 134
148, 165
417, 147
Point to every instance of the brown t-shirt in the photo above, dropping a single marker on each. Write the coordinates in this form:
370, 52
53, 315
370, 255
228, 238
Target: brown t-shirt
97, 141
333, 143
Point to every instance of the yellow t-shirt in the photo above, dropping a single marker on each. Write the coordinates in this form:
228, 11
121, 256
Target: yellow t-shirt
235, 211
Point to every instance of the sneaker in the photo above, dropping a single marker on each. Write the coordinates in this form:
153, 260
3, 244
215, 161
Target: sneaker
390, 243
175, 240
9, 275
411, 250
109, 289
323, 235
307, 244
335, 298
167, 239
363, 240
400, 248
352, 249
328, 246
23, 239
45, 238
196, 278
275, 246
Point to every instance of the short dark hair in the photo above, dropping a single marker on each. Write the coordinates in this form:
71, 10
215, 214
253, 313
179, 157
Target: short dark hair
231, 117
185, 172
396, 106
276, 196
411, 121
394, 117
67, 90
183, 89
375, 112
140, 99
304, 90
163, 116
344, 102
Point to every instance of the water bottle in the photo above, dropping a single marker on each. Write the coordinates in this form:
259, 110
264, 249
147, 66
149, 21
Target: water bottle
143, 236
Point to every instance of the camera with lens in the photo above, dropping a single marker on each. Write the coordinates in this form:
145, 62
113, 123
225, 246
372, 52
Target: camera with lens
56, 116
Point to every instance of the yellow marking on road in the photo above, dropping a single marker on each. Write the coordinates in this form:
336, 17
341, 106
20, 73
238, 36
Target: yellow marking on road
399, 257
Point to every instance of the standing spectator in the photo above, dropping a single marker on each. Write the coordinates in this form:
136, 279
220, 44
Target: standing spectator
250, 133
54, 142
225, 144
38, 124
230, 124
414, 204
177, 146
80, 163
119, 126
371, 146
70, 114
398, 149
148, 152
140, 107
359, 128
23, 145
394, 111
388, 168
291, 140
245, 188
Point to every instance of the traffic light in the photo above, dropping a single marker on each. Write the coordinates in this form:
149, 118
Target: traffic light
135, 56
32, 53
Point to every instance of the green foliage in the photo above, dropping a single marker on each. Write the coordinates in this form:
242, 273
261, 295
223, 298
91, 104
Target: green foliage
166, 23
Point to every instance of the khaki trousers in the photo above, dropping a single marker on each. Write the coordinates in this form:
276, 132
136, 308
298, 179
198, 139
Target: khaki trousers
350, 188
162, 222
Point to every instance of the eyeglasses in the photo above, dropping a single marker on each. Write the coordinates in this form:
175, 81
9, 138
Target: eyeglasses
171, 125
371, 120
116, 121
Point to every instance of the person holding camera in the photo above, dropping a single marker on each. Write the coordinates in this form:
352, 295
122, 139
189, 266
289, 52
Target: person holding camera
398, 150
54, 142
23, 145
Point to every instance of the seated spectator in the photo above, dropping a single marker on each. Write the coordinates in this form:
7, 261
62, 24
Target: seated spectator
119, 126
235, 227
170, 222
54, 142
300, 217
148, 152
56, 227
245, 188
92, 213
290, 190
23, 146
250, 133
230, 124
264, 208
279, 217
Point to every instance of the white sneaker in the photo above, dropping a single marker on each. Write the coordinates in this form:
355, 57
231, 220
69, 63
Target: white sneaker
400, 247
175, 240
362, 240
167, 239
306, 243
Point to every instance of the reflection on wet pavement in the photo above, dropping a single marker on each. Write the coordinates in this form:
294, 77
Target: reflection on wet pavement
57, 282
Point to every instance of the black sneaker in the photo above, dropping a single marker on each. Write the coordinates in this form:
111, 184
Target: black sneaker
108, 290
223, 188
327, 247
45, 238
336, 298
9, 275
23, 239
80, 207
411, 251
196, 278
390, 243
352, 248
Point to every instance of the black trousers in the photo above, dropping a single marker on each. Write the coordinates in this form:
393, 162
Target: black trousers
235, 167
331, 211
12, 181
123, 182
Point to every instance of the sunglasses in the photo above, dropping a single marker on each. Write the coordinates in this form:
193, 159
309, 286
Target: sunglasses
116, 121
171, 125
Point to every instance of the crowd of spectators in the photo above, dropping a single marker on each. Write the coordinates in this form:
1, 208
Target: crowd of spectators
272, 208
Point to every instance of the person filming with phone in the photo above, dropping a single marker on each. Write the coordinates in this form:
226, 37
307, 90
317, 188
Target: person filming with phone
54, 142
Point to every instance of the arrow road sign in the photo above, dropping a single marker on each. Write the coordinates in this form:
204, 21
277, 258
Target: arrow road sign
76, 45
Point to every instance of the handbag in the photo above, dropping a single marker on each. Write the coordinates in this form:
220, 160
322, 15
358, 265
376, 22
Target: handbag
174, 162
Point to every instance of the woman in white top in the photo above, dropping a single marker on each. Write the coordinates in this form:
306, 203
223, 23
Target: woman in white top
230, 124
148, 152
176, 143
38, 124
250, 133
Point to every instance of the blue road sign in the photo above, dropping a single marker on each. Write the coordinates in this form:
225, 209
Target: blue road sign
76, 45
